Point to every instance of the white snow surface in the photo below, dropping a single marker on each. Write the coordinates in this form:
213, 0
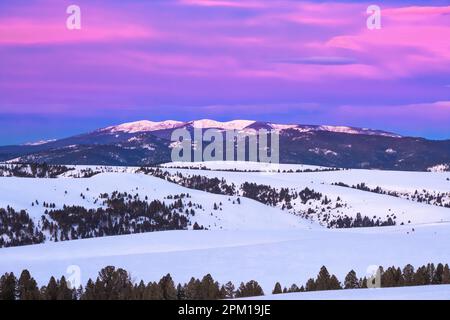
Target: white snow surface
19, 193
267, 256
229, 125
247, 241
434, 292
240, 166
369, 204
143, 125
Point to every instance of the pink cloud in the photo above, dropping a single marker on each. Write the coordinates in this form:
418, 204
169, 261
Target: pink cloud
402, 47
49, 26
21, 31
224, 3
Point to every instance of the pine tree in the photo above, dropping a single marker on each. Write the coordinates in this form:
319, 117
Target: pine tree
193, 289
408, 275
169, 292
334, 283
222, 293
421, 277
437, 277
250, 289
310, 285
51, 291
113, 284
181, 294
89, 292
294, 288
277, 289
27, 288
209, 289
64, 292
230, 290
139, 291
351, 281
446, 275
363, 283
323, 279
153, 292
8, 287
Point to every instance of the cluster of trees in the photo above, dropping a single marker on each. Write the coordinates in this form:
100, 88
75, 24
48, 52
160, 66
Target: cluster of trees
204, 168
34, 170
360, 222
197, 182
86, 173
437, 199
323, 281
408, 276
116, 284
17, 229
124, 214
271, 196
391, 277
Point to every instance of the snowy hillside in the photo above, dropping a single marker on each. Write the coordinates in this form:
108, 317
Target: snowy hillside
20, 193
405, 206
246, 239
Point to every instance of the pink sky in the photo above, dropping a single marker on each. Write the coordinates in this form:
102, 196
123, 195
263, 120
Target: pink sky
195, 58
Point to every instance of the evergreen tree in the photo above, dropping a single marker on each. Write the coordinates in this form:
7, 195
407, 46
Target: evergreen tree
89, 292
323, 279
334, 283
64, 292
209, 289
277, 289
169, 292
408, 275
421, 277
8, 287
193, 289
27, 288
250, 289
438, 274
230, 290
113, 284
446, 275
181, 293
139, 291
310, 285
294, 288
351, 281
153, 292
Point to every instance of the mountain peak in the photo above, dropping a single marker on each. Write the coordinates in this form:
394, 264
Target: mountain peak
144, 125
229, 125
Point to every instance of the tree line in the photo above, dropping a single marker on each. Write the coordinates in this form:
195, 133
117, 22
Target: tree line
33, 170
17, 228
124, 214
117, 284
441, 199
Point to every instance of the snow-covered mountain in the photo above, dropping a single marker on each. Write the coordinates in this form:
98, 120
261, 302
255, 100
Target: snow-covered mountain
148, 126
149, 142
143, 126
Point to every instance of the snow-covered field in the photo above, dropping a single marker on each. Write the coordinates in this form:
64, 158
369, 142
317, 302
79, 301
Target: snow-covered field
268, 256
406, 211
246, 241
437, 292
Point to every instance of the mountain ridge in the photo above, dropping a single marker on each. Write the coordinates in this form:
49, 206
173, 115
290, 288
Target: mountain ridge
145, 142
